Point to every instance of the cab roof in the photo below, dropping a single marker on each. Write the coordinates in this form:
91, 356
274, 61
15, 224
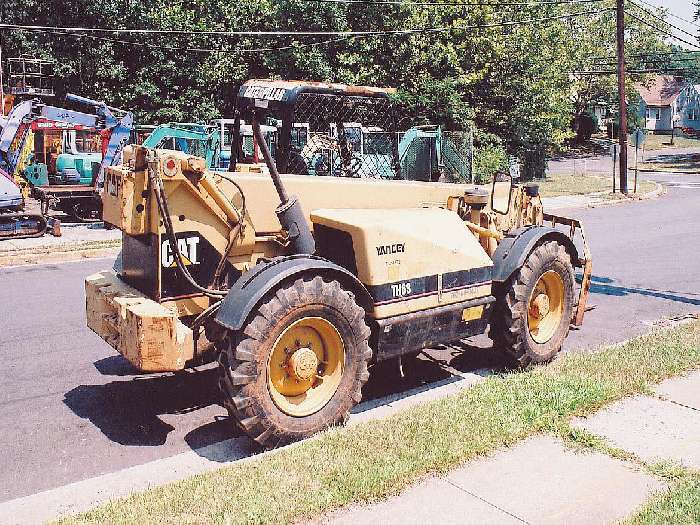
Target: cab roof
287, 91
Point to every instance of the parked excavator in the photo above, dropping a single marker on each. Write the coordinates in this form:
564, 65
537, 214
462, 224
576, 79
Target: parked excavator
79, 200
195, 139
298, 285
15, 221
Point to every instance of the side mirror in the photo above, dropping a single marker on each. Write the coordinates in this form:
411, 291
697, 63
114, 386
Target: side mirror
500, 193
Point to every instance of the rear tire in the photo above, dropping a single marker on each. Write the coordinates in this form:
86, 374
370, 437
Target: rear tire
534, 308
299, 365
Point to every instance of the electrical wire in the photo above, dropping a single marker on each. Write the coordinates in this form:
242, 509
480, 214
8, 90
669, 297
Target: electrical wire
410, 3
649, 60
636, 71
383, 32
662, 31
660, 53
197, 49
661, 19
670, 13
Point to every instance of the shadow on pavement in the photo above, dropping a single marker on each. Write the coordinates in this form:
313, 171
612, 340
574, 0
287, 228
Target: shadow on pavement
604, 286
682, 162
115, 365
127, 412
434, 368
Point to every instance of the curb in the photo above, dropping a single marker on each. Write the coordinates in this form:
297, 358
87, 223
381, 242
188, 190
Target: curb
45, 255
653, 194
670, 172
593, 203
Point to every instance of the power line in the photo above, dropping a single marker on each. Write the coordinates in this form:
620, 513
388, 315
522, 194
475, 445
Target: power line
203, 50
648, 60
663, 20
667, 33
89, 30
410, 3
638, 71
670, 13
670, 54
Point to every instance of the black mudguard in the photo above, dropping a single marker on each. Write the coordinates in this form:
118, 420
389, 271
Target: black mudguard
254, 285
514, 249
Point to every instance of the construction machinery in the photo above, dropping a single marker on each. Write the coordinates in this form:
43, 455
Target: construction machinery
248, 152
15, 221
65, 192
195, 139
297, 285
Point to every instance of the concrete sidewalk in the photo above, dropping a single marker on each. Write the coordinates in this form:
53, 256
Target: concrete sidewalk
542, 480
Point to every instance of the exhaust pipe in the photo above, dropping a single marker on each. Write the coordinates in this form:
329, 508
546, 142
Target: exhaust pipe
289, 212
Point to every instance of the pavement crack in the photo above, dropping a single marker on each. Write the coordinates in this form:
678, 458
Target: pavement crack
663, 398
486, 501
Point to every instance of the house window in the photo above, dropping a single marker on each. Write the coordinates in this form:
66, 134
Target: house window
653, 113
693, 114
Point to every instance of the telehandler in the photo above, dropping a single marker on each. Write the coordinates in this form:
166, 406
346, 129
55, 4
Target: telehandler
298, 284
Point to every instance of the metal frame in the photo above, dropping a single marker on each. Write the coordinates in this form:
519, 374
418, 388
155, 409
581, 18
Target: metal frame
32, 80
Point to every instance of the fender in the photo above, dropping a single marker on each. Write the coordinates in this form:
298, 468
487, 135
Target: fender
253, 285
514, 249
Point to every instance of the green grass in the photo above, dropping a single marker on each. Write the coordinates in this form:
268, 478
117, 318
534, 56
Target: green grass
370, 461
657, 142
558, 184
680, 505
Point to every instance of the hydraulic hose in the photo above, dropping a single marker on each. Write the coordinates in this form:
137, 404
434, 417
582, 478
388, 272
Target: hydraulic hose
162, 202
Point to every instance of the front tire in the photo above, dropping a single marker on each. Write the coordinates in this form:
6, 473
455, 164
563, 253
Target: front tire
299, 365
534, 307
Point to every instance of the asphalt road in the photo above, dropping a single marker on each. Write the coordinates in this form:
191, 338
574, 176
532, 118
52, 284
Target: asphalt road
70, 409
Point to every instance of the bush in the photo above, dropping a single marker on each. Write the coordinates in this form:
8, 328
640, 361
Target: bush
489, 156
585, 125
534, 163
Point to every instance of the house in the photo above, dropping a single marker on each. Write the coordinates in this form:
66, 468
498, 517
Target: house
601, 112
669, 102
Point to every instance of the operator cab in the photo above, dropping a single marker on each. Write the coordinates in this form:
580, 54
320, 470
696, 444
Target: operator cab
319, 129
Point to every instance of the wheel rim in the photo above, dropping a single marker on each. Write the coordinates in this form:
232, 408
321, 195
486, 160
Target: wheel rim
305, 366
546, 307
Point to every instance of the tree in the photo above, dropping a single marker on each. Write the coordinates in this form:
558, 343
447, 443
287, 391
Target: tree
518, 82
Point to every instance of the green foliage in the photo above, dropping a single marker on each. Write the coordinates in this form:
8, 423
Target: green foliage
489, 157
514, 82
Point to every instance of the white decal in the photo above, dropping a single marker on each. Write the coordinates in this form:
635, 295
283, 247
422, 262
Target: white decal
401, 289
264, 92
188, 249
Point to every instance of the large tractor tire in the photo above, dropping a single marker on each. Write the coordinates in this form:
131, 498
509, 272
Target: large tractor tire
534, 307
299, 365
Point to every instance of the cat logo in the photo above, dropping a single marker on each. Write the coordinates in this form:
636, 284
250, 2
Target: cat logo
188, 247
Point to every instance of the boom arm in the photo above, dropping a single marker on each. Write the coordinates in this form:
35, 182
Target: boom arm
120, 131
210, 141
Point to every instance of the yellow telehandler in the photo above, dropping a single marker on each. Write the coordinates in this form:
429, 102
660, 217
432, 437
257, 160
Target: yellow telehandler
297, 284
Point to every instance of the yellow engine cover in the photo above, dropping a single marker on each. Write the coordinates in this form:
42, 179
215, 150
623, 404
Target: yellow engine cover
409, 259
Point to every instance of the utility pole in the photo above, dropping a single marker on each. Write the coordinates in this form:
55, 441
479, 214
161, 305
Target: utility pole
622, 130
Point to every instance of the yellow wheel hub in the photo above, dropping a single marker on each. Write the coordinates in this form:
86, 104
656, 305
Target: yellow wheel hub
305, 366
546, 307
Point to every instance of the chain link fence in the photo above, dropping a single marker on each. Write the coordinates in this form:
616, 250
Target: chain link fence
344, 137
347, 136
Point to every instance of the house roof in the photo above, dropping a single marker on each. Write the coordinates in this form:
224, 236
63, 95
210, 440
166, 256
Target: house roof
661, 91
